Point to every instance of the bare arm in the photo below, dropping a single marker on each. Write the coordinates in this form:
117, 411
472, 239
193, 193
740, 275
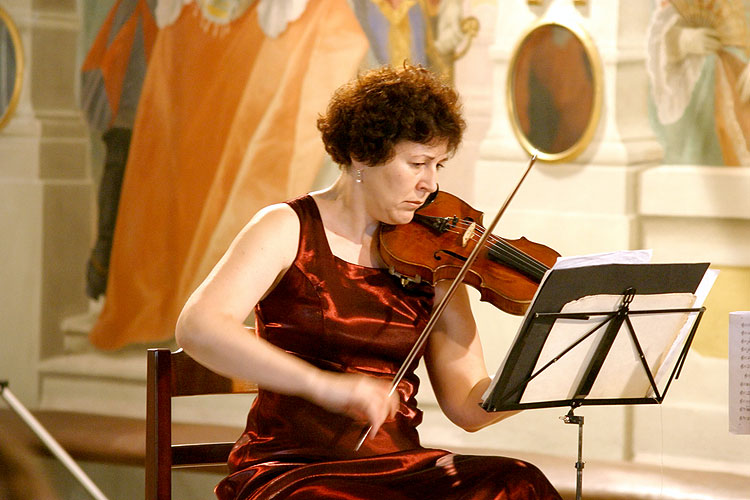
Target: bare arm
455, 364
210, 327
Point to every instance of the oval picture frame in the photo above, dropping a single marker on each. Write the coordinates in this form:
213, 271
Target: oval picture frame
554, 90
8, 29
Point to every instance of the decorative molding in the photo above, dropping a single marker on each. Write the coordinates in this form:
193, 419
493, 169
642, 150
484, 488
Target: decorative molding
694, 191
56, 20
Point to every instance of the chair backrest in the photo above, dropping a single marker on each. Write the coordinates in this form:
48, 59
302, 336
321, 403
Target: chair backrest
174, 374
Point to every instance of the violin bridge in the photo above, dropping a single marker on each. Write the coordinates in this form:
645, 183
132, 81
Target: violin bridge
468, 234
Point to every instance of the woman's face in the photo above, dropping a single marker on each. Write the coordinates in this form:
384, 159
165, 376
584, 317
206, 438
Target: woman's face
394, 190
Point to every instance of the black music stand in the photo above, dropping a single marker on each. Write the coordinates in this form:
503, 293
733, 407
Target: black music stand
579, 342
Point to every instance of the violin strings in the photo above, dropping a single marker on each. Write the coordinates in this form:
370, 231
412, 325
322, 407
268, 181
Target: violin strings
501, 247
519, 258
511, 253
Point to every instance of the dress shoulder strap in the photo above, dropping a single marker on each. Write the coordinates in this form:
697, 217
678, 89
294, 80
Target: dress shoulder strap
312, 236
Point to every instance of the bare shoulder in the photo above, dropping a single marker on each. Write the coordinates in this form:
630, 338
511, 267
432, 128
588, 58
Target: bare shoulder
272, 232
279, 215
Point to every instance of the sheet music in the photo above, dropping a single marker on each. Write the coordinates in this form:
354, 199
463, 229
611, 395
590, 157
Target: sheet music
700, 297
617, 257
596, 259
739, 372
622, 374
554, 360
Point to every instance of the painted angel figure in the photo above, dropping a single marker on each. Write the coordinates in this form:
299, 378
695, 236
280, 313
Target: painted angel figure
699, 70
111, 80
425, 32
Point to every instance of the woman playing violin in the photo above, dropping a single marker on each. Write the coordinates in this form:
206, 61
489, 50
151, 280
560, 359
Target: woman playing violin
333, 326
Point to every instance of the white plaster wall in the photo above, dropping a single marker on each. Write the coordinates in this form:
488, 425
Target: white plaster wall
473, 74
20, 293
46, 195
695, 214
21, 217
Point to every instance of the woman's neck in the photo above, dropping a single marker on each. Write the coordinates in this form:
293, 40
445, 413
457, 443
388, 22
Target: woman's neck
343, 209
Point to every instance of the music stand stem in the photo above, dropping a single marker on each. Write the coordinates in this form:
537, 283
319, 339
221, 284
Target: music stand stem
570, 418
50, 442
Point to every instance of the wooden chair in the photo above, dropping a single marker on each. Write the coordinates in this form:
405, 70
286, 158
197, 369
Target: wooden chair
174, 374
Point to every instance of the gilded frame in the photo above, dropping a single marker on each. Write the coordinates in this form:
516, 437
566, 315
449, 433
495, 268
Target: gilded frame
15, 37
580, 43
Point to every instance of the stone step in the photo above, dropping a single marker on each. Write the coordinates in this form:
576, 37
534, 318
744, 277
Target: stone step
95, 382
75, 329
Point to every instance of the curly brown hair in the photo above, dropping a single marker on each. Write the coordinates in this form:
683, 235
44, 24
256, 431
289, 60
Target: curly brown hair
368, 116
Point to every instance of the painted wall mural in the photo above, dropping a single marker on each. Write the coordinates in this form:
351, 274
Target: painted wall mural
700, 80
225, 125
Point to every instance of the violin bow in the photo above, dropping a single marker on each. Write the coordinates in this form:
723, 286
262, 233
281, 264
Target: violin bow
448, 295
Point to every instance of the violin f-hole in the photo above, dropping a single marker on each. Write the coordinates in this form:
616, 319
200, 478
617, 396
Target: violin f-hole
452, 254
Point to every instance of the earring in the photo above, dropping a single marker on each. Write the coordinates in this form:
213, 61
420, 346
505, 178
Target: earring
358, 178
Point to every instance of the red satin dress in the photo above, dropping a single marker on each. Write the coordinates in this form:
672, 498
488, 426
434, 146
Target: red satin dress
349, 318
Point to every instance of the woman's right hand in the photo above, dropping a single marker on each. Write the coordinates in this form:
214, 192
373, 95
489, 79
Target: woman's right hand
360, 397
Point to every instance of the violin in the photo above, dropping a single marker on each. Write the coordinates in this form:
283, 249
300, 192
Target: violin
437, 242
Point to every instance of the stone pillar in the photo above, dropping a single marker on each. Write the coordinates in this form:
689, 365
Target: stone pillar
45, 194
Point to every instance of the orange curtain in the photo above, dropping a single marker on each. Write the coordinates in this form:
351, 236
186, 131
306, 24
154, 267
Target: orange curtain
225, 126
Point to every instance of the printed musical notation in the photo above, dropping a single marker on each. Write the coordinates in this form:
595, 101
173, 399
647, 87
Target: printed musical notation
739, 372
